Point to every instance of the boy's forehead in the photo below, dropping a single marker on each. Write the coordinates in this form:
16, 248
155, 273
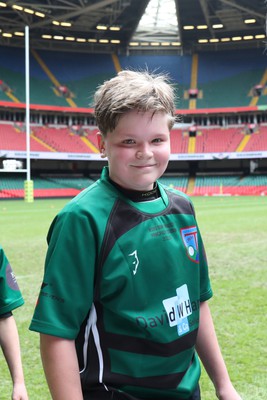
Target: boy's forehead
135, 122
143, 115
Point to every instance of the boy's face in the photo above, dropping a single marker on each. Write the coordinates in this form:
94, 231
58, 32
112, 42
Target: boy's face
138, 149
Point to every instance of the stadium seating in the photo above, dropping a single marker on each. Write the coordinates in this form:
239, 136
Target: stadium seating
230, 185
258, 140
218, 140
61, 139
15, 139
179, 141
224, 78
13, 186
211, 185
177, 182
44, 138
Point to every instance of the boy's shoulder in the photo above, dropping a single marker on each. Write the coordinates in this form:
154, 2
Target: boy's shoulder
175, 192
95, 196
179, 198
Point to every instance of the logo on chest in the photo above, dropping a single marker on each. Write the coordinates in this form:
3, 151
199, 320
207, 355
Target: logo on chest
189, 236
135, 261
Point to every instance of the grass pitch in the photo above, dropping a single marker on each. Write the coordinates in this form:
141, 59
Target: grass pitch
234, 230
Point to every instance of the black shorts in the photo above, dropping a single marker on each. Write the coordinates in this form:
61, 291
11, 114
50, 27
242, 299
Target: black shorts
104, 395
196, 394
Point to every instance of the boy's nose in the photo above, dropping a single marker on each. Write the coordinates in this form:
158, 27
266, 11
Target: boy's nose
145, 152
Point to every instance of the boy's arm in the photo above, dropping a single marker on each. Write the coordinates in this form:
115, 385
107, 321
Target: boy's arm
210, 354
9, 341
61, 367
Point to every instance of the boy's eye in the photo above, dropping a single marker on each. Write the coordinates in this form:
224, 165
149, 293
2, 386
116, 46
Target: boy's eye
128, 141
157, 140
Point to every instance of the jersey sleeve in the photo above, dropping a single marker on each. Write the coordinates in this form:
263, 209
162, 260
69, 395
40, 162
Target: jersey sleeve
10, 295
205, 286
67, 289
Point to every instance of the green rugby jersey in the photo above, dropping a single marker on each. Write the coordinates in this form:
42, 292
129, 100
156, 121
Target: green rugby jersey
125, 280
10, 295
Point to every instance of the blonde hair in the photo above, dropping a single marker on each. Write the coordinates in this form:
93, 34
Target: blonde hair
132, 90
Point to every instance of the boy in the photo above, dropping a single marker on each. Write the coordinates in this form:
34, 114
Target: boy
122, 308
11, 298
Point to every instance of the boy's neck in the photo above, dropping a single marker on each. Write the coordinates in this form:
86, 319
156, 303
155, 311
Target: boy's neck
138, 195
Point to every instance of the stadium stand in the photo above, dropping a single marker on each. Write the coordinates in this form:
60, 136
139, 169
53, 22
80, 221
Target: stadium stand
61, 139
64, 139
230, 185
45, 138
218, 140
47, 75
258, 140
15, 139
12, 187
177, 182
179, 141
225, 79
220, 79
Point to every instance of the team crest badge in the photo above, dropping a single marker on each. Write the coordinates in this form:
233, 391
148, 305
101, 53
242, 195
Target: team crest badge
189, 236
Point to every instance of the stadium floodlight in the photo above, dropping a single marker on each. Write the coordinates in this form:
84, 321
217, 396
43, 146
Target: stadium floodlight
39, 14
16, 7
250, 21
102, 27
28, 11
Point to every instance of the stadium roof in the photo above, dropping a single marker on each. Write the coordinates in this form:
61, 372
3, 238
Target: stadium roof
125, 26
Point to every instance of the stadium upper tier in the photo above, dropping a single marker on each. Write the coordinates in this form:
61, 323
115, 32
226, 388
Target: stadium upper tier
205, 80
84, 141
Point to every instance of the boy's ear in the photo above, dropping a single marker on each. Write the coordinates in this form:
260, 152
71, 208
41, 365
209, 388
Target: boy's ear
99, 140
101, 144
